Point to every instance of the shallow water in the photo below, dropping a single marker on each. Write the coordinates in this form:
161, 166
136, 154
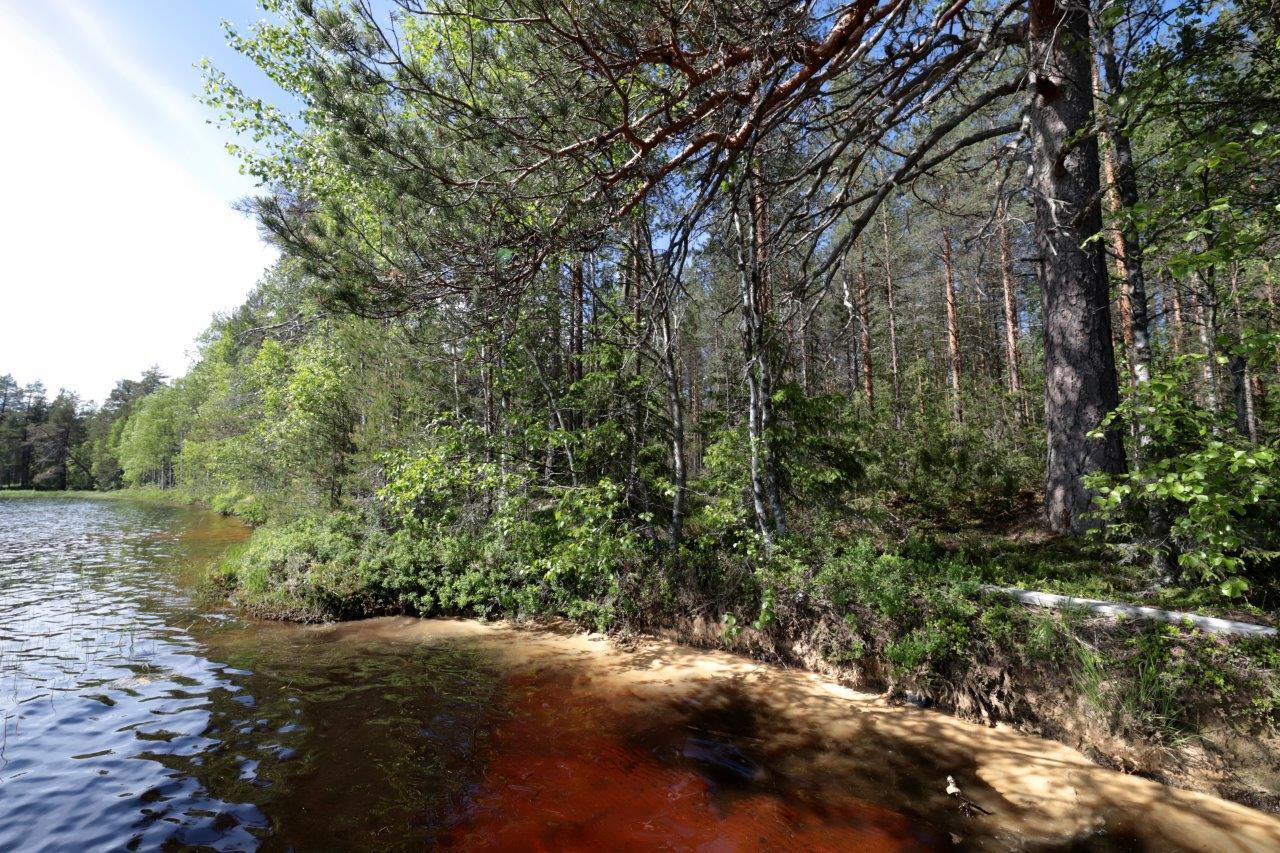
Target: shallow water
137, 716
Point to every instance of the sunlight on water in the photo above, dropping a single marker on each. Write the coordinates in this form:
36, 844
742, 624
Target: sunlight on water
133, 717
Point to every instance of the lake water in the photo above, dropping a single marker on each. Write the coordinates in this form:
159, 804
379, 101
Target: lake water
138, 715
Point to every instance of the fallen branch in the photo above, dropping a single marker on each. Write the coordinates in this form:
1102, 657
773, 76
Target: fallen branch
1211, 624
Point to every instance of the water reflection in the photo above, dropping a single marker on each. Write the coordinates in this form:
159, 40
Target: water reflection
134, 717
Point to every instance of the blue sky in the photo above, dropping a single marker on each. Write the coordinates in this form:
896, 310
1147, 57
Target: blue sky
117, 237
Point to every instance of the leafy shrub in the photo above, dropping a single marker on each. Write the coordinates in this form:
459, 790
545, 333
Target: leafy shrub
922, 602
1216, 493
937, 469
309, 570
935, 640
502, 544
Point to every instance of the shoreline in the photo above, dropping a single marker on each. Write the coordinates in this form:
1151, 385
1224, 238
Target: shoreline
1030, 696
149, 495
1043, 790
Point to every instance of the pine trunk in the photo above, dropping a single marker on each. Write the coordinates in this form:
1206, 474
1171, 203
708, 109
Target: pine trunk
1080, 376
1010, 299
864, 322
894, 376
1122, 176
953, 326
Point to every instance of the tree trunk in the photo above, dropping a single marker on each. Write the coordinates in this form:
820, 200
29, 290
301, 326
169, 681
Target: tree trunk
639, 236
1269, 289
757, 401
1246, 406
1123, 176
693, 370
1245, 423
1010, 299
1206, 304
803, 342
864, 323
953, 326
1175, 294
1080, 377
850, 324
675, 409
773, 478
754, 288
1122, 199
486, 384
554, 378
894, 375
1113, 232
577, 301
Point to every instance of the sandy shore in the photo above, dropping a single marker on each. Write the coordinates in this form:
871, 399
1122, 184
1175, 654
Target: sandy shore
1039, 792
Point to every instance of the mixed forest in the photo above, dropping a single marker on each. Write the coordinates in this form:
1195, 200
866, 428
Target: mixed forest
788, 326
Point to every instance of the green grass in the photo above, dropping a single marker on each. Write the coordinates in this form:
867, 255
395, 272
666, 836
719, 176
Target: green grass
19, 494
143, 494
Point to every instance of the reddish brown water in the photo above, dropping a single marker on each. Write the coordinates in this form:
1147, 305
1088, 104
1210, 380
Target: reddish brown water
136, 716
568, 772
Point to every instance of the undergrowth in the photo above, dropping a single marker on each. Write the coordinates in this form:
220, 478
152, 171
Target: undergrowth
914, 618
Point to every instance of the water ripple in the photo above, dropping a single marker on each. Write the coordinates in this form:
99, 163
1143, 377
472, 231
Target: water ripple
131, 717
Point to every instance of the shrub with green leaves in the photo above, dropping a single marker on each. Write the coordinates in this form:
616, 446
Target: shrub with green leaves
310, 570
1216, 494
950, 473
923, 604
502, 543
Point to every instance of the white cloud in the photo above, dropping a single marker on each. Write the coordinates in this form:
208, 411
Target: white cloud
113, 255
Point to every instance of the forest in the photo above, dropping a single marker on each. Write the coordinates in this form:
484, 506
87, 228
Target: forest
791, 328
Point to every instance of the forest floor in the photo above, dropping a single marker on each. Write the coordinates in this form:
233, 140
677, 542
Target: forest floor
1019, 550
1032, 558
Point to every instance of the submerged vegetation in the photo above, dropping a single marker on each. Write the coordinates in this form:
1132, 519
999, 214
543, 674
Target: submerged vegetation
738, 320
